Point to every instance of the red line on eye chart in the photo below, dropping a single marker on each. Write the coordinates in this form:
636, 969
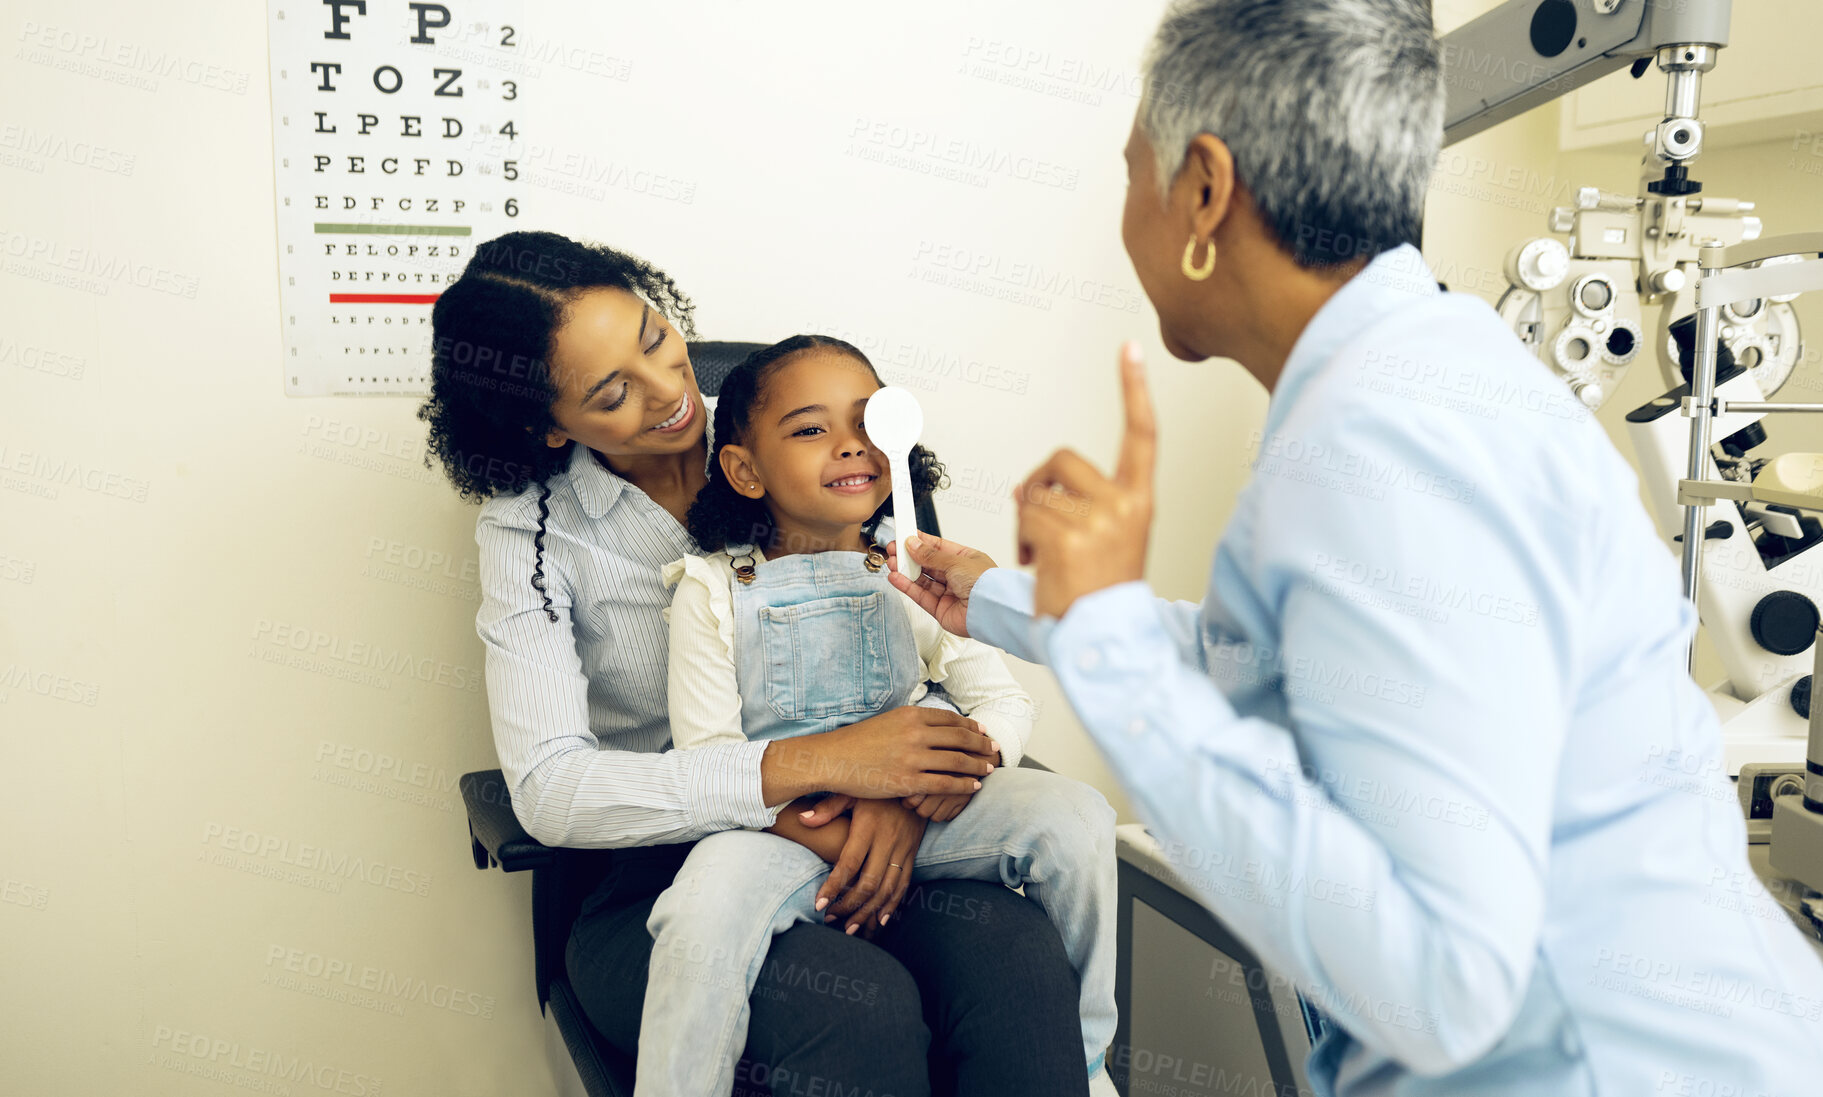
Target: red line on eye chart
383, 298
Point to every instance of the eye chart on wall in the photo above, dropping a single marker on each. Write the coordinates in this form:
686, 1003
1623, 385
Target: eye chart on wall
395, 139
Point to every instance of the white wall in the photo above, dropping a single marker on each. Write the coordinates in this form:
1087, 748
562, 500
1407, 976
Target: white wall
145, 731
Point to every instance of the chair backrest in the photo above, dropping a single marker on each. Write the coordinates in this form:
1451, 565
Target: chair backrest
712, 362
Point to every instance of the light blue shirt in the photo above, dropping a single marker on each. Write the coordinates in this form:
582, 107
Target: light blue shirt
1429, 746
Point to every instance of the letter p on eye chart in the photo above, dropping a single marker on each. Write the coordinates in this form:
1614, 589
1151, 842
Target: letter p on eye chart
894, 421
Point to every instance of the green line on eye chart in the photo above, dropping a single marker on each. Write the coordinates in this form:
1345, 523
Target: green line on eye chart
394, 230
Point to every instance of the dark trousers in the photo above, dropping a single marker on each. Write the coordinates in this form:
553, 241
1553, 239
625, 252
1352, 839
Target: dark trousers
966, 992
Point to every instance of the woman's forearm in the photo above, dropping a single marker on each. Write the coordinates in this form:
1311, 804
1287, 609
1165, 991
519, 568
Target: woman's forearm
909, 749
790, 768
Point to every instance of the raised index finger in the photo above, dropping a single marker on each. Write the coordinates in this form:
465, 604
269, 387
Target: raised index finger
1139, 445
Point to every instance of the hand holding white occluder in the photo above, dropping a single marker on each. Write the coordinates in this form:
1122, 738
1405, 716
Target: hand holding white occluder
894, 421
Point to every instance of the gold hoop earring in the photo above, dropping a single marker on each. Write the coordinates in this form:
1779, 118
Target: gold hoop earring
1198, 274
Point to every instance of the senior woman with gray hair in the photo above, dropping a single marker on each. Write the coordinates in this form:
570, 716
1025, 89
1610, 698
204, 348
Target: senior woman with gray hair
1411, 745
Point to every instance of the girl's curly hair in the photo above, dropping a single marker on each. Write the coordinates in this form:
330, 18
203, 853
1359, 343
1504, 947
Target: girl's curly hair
491, 385
722, 516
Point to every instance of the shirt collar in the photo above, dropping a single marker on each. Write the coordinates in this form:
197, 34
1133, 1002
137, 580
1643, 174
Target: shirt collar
1393, 281
597, 489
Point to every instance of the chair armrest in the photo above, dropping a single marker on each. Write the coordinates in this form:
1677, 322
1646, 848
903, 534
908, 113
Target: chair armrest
494, 833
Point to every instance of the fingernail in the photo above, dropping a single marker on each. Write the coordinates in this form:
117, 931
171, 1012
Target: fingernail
851, 930
821, 903
913, 541
806, 814
993, 746
977, 784
883, 918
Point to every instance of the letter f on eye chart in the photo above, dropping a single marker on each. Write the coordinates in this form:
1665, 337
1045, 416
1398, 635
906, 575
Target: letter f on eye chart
894, 421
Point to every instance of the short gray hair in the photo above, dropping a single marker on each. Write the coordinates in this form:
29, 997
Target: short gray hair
1333, 110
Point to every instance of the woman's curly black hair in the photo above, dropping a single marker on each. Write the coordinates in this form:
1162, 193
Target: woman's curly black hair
491, 386
722, 516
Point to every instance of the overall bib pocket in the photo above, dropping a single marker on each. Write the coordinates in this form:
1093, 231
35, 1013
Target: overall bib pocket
826, 657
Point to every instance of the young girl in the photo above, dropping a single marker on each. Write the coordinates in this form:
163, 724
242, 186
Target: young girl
788, 627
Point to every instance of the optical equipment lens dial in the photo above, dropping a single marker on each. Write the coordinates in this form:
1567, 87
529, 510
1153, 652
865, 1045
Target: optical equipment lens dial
1538, 264
1592, 295
1623, 341
1784, 622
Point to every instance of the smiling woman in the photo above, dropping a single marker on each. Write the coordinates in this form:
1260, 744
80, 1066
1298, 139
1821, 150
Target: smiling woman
530, 320
564, 401
526, 342
621, 411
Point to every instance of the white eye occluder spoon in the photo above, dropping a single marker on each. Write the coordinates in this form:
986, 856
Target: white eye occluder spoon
894, 421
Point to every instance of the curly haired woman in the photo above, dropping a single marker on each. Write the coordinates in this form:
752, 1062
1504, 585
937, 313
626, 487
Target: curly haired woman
563, 400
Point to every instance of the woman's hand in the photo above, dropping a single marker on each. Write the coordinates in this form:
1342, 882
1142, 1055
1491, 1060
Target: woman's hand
938, 809
1082, 531
949, 571
874, 870
941, 809
901, 752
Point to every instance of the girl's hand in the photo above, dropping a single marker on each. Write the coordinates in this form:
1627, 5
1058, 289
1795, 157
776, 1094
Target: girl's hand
829, 808
949, 574
937, 809
824, 841
1082, 531
874, 870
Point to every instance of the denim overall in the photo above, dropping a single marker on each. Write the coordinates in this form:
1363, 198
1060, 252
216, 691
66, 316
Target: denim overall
821, 641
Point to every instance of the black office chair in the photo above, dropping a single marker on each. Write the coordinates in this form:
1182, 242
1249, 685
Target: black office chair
563, 878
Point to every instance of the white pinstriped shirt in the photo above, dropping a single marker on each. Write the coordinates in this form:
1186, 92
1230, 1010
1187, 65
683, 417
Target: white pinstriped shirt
578, 704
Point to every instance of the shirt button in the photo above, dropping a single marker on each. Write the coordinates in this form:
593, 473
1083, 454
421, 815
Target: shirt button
1088, 660
1136, 726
